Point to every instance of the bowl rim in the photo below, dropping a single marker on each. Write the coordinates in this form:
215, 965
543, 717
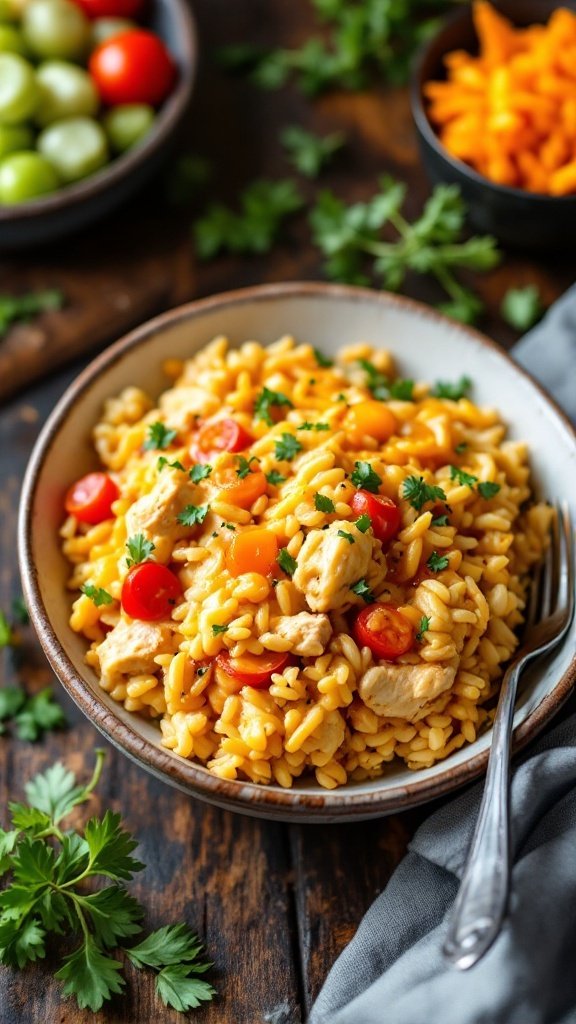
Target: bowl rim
274, 802
424, 125
169, 114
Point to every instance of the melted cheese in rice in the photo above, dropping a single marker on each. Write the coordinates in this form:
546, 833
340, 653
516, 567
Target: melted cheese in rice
335, 710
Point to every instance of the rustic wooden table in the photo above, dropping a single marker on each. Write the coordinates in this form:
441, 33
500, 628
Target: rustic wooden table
274, 903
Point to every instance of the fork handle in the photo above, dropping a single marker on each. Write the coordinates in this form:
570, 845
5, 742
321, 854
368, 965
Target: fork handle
480, 906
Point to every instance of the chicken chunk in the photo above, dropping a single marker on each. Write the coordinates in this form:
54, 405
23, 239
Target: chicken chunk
403, 691
307, 633
130, 648
155, 514
328, 564
183, 405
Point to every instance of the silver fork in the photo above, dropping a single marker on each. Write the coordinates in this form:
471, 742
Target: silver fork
480, 907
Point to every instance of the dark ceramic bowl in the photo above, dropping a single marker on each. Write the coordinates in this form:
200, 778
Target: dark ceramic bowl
329, 316
516, 217
76, 206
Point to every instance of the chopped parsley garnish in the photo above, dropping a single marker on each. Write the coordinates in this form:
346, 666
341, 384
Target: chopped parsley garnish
6, 635
377, 382
402, 389
139, 549
287, 447
437, 562
422, 628
440, 521
217, 630
466, 479
323, 504
199, 472
321, 359
275, 478
347, 536
163, 461
244, 465
341, 397
159, 436
97, 595
415, 491
268, 400
461, 448
193, 515
454, 390
286, 561
487, 489
228, 526
365, 478
363, 523
361, 589
314, 426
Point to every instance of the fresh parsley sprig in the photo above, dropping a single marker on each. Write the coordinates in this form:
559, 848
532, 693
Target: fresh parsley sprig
29, 716
418, 493
264, 207
24, 307
268, 400
322, 503
287, 447
97, 595
49, 872
193, 515
139, 549
365, 477
310, 153
522, 307
159, 436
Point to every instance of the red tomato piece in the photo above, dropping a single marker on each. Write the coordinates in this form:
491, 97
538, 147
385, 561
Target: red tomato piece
109, 8
133, 67
253, 669
90, 498
384, 630
383, 512
150, 592
217, 436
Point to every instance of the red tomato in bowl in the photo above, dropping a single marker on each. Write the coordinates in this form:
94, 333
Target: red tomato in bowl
253, 669
384, 630
133, 67
110, 8
217, 436
383, 512
150, 592
90, 498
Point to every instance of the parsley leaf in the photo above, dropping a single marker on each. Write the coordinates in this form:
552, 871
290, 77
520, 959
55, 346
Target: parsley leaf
440, 521
323, 504
402, 389
487, 489
437, 562
419, 493
309, 153
264, 206
244, 465
522, 307
174, 951
424, 625
110, 848
217, 629
6, 636
39, 714
163, 461
346, 536
275, 478
268, 400
466, 479
286, 562
97, 595
376, 382
193, 515
362, 589
199, 472
314, 426
365, 477
23, 307
322, 360
363, 523
287, 447
139, 549
90, 975
159, 436
178, 989
454, 391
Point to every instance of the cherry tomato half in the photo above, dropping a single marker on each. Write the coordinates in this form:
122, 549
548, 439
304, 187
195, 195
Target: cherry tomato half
383, 512
109, 8
150, 592
91, 497
241, 491
133, 67
384, 630
216, 436
253, 669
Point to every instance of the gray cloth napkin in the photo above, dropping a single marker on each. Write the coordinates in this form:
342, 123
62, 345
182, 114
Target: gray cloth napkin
392, 972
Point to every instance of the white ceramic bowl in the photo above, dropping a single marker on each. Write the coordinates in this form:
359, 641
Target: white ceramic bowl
427, 346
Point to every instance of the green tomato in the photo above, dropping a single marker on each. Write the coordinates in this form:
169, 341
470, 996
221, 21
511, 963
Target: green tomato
18, 89
105, 28
12, 41
126, 124
26, 176
14, 137
66, 90
75, 147
56, 28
